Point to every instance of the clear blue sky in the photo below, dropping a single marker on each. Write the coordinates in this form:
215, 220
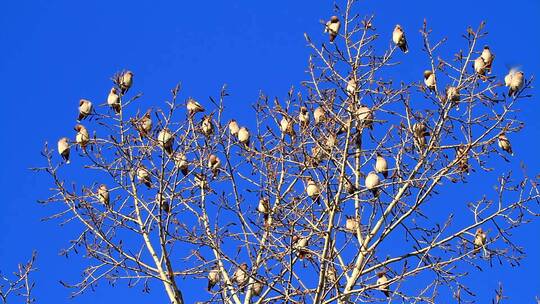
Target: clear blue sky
52, 53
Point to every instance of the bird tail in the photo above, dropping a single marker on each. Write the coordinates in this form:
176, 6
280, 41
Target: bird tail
210, 285
404, 47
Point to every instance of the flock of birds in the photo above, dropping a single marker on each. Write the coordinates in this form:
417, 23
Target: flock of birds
165, 138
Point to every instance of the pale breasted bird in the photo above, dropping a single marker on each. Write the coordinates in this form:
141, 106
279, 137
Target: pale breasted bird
213, 278
162, 202
82, 138
351, 87
243, 136
382, 283
504, 143
316, 155
312, 189
264, 208
193, 107
240, 276
463, 158
233, 127
319, 115
300, 245
85, 109
286, 125
214, 164
113, 100
207, 126
398, 37
332, 28
103, 195
126, 81
143, 175
63, 149
429, 80
180, 161
331, 141
303, 117
381, 166
144, 125
257, 288
331, 274
480, 238
365, 117
452, 94
165, 140
372, 183
514, 82
479, 66
488, 58
420, 133
349, 186
352, 224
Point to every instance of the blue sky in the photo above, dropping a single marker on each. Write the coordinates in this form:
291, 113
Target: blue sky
52, 53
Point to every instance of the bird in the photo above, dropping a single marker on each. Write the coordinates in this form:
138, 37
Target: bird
286, 125
144, 176
126, 80
398, 37
332, 28
243, 136
429, 80
163, 203
319, 115
488, 57
85, 108
63, 149
351, 87
504, 143
479, 66
180, 161
313, 190
144, 125
372, 183
452, 94
303, 117
207, 127
233, 127
103, 195
193, 107
316, 155
349, 186
165, 140
213, 278
382, 283
419, 134
82, 138
381, 166
240, 276
331, 275
257, 288
365, 117
479, 240
264, 208
351, 224
214, 164
514, 82
300, 246
113, 100
463, 158
331, 141
200, 181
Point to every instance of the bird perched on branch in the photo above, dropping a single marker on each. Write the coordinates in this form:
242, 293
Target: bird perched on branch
303, 117
398, 37
180, 161
233, 127
382, 283
300, 246
381, 166
372, 183
103, 195
113, 100
63, 149
207, 126
352, 224
479, 66
85, 109
365, 117
193, 107
243, 136
463, 158
452, 94
214, 164
488, 58
504, 143
82, 138
313, 190
264, 208
213, 278
143, 175
332, 28
352, 86
480, 238
240, 277
144, 125
126, 81
514, 81
429, 80
319, 115
420, 133
165, 140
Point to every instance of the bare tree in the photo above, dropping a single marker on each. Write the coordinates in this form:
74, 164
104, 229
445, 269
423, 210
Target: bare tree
301, 204
19, 286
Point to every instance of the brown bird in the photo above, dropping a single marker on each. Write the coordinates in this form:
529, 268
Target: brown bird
243, 136
200, 181
316, 156
352, 86
313, 190
332, 28
303, 117
300, 246
429, 80
452, 94
144, 176
286, 125
166, 141
85, 109
113, 100
213, 278
144, 125
479, 66
162, 202
233, 127
488, 58
420, 133
82, 138
352, 224
214, 164
207, 127
257, 288
240, 277
463, 158
372, 183
331, 275
365, 117
319, 115
398, 37
480, 238
103, 195
504, 143
349, 186
514, 82
180, 161
126, 80
382, 283
264, 208
63, 149
381, 166
193, 107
